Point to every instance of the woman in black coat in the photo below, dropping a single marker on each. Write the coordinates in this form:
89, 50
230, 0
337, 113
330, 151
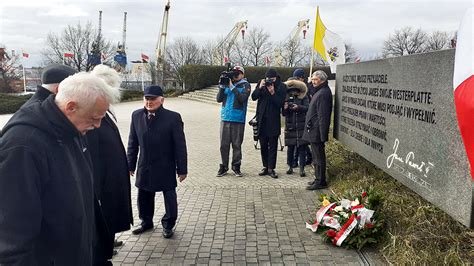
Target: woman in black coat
270, 101
294, 111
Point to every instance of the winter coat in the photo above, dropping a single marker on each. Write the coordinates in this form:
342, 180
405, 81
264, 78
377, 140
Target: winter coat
318, 117
234, 101
162, 147
40, 95
46, 193
295, 119
111, 176
269, 109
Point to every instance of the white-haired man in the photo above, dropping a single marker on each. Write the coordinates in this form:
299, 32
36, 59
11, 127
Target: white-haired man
46, 194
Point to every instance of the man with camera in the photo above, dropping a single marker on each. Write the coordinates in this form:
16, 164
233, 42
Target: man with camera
318, 119
234, 91
294, 111
270, 93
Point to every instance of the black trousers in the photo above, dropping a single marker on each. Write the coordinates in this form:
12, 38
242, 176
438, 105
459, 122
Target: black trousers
146, 208
300, 152
319, 161
268, 151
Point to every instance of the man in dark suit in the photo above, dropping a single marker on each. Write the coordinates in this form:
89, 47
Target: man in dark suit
318, 119
159, 136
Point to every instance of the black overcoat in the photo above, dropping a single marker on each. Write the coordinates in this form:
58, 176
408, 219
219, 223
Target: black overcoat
269, 109
318, 117
111, 176
46, 192
162, 147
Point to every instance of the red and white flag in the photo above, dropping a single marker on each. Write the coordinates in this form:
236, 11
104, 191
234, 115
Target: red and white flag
267, 60
463, 83
26, 55
145, 58
67, 54
357, 60
226, 59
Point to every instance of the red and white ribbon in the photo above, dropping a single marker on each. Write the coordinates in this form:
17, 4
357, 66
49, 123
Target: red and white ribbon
345, 230
319, 216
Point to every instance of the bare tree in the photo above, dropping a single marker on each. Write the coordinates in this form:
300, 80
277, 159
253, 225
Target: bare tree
9, 70
351, 53
317, 59
78, 40
294, 53
437, 40
183, 51
258, 45
405, 41
207, 52
240, 54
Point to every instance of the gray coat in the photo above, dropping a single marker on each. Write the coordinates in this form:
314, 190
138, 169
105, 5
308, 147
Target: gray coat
318, 117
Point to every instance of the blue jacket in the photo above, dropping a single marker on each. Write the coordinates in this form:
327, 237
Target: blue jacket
234, 101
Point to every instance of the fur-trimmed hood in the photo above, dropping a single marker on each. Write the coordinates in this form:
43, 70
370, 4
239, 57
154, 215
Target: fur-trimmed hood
299, 86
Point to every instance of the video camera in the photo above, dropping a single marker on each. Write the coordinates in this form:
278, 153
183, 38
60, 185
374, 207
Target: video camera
226, 76
291, 101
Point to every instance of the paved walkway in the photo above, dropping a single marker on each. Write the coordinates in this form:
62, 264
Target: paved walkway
228, 220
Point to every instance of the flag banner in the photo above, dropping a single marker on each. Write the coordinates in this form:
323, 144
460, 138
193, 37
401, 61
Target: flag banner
463, 83
26, 55
145, 58
328, 44
67, 54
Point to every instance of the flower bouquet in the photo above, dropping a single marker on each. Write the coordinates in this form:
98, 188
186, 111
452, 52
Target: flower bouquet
351, 221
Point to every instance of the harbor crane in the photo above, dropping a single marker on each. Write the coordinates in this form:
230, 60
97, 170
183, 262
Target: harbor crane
220, 54
302, 26
94, 58
161, 46
121, 57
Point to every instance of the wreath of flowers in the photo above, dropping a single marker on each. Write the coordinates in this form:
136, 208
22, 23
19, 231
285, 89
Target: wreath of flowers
351, 221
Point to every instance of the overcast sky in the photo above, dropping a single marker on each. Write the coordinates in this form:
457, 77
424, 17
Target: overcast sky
366, 24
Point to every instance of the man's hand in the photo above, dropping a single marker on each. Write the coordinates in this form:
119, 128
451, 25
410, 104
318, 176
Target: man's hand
262, 82
271, 89
230, 83
181, 178
132, 173
294, 107
285, 106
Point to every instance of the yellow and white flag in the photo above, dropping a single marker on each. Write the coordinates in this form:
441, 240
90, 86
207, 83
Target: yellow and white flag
328, 44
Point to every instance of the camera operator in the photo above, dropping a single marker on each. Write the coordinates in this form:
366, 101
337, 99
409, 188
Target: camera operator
234, 91
270, 93
294, 110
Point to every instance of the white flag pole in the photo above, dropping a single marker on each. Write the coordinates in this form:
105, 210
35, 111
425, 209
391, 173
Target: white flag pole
143, 83
24, 78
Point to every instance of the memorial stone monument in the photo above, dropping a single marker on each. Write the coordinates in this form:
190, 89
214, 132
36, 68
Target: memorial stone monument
399, 114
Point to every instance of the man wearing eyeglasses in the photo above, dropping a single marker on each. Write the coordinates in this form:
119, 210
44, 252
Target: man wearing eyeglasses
159, 136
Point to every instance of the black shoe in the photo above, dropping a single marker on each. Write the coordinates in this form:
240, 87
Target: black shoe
263, 172
273, 174
302, 173
311, 182
168, 233
114, 253
142, 229
118, 243
289, 171
236, 169
316, 186
222, 170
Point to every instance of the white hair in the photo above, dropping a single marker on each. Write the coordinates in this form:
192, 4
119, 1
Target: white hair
320, 74
84, 88
109, 75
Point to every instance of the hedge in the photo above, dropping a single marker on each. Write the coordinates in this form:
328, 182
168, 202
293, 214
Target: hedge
201, 76
10, 103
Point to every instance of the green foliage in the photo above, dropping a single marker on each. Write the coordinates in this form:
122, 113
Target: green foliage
10, 103
417, 232
131, 95
197, 77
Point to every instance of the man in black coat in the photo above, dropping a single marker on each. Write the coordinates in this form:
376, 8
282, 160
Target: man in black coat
111, 176
159, 136
46, 192
318, 119
50, 78
270, 93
